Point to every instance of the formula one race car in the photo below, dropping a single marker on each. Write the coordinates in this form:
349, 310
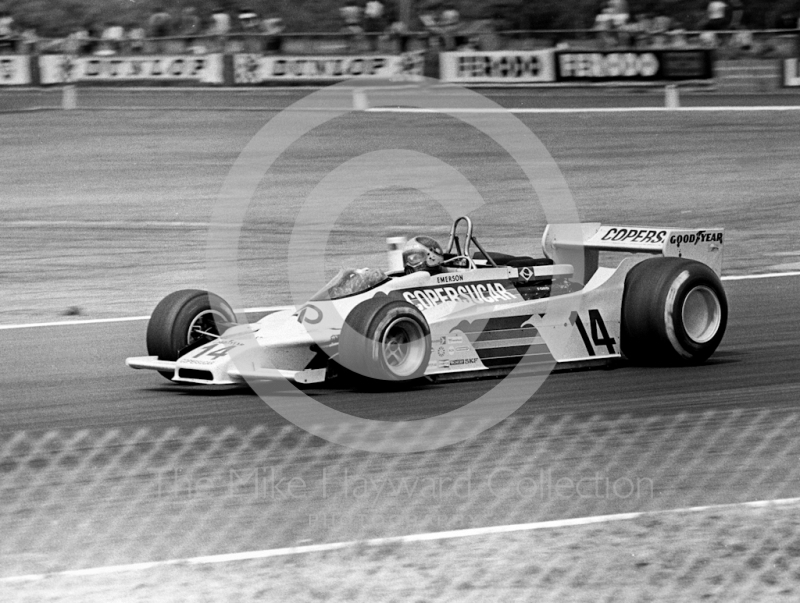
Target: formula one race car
483, 313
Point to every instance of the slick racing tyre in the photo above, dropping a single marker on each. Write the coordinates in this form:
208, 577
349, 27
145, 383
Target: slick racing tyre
385, 340
184, 318
674, 311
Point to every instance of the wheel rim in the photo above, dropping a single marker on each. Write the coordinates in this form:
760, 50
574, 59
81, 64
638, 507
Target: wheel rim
403, 347
204, 324
702, 314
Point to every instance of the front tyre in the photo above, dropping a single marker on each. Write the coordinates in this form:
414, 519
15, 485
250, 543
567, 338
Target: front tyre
674, 311
385, 340
184, 318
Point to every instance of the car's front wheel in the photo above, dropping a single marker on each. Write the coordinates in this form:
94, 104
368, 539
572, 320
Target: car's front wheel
385, 340
184, 318
674, 311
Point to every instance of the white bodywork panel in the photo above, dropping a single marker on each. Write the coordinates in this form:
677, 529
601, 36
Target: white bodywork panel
475, 315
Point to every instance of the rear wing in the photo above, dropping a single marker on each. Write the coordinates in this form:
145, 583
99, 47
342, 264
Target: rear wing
581, 244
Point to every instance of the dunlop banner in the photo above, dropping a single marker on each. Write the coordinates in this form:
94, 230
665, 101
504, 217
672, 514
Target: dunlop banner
62, 68
258, 69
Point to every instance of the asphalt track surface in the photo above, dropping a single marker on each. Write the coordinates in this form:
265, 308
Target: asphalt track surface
720, 433
74, 377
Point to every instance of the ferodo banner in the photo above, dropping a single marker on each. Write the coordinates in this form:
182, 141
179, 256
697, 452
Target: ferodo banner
501, 67
632, 65
257, 69
62, 68
791, 73
15, 70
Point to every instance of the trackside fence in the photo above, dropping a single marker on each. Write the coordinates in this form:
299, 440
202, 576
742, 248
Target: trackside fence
72, 500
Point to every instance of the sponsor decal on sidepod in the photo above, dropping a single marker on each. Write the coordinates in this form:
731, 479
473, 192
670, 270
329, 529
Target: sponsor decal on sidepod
488, 293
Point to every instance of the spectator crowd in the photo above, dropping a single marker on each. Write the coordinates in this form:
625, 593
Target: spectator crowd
365, 25
616, 26
185, 30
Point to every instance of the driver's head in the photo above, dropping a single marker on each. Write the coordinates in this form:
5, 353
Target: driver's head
422, 253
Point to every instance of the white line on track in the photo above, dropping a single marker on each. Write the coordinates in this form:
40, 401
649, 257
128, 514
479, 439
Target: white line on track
342, 109
542, 111
585, 109
85, 224
424, 537
771, 69
749, 277
64, 323
95, 321
530, 110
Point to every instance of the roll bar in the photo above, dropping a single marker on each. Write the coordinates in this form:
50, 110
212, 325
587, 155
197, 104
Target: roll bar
455, 242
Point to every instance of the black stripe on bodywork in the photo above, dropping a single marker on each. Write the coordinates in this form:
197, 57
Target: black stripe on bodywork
504, 329
510, 362
503, 334
516, 351
487, 325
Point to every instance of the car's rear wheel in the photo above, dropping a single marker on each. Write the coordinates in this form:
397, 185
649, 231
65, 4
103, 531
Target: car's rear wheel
674, 311
184, 318
385, 340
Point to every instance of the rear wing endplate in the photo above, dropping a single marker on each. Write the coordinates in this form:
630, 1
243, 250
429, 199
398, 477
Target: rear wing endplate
581, 244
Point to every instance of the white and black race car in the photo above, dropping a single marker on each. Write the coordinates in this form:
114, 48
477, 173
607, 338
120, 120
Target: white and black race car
483, 313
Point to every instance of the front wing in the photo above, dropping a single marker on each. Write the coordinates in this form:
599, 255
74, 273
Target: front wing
231, 375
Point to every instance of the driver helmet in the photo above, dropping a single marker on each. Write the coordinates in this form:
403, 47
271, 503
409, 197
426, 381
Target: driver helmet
422, 253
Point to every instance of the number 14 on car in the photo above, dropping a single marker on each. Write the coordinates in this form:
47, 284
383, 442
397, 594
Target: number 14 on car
214, 350
600, 338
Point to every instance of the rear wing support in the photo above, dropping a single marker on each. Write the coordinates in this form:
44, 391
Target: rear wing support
581, 244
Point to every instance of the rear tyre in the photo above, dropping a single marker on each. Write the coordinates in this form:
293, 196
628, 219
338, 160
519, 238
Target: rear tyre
674, 311
385, 340
183, 318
